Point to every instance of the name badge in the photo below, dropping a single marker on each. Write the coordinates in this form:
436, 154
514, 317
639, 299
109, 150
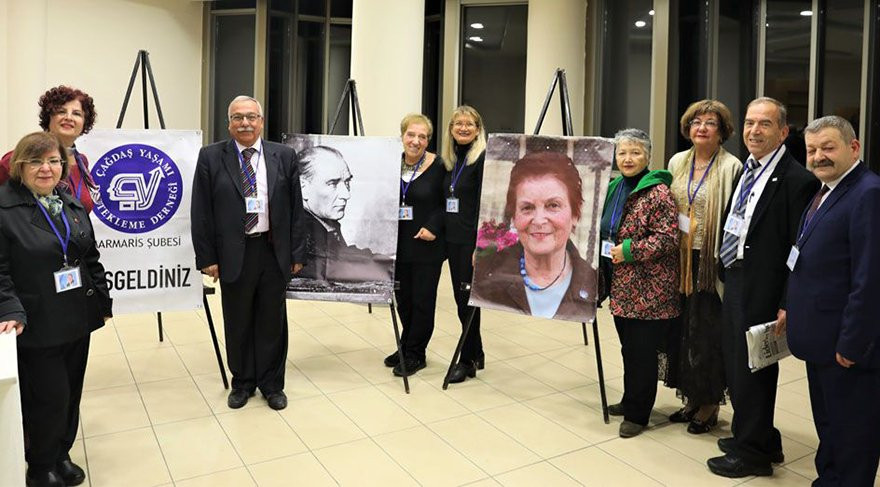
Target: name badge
254, 204
793, 257
684, 223
606, 248
66, 279
405, 213
734, 225
451, 205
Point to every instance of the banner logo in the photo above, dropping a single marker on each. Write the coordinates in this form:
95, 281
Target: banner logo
139, 188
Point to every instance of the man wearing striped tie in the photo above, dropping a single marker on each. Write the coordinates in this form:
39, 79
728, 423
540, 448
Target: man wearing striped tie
248, 231
761, 222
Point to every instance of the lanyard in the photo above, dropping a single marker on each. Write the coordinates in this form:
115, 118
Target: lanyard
64, 241
405, 187
692, 197
456, 174
252, 181
612, 232
744, 191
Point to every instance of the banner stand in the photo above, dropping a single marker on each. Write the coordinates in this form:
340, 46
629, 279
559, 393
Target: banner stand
567, 130
142, 61
349, 94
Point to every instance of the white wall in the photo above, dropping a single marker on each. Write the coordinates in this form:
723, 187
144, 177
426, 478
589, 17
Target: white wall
92, 45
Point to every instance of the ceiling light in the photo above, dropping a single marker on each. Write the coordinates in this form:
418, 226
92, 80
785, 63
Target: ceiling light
651, 12
475, 39
641, 23
477, 25
806, 13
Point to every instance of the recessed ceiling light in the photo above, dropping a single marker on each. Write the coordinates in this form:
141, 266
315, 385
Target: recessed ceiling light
651, 12
806, 13
477, 25
475, 39
641, 23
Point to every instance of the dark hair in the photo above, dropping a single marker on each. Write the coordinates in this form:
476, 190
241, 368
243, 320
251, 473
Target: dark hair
58, 96
33, 146
540, 164
703, 107
307, 156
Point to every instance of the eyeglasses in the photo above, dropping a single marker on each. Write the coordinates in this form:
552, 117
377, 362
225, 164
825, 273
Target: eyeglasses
251, 117
464, 124
38, 163
709, 124
61, 112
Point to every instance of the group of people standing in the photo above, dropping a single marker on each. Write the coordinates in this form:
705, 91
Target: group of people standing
695, 255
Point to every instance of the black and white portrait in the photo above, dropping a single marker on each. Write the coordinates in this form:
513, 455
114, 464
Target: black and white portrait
349, 190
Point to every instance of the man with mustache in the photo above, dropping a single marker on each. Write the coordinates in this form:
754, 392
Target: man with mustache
833, 305
326, 189
247, 230
761, 221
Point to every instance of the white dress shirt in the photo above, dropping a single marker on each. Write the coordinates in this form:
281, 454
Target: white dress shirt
258, 161
755, 194
833, 184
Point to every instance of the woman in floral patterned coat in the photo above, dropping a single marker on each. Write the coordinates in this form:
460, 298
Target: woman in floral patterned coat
640, 252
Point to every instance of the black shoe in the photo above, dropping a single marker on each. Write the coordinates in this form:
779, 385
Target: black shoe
462, 371
238, 398
413, 365
277, 400
480, 362
726, 446
44, 478
615, 409
683, 415
697, 427
734, 467
392, 360
70, 472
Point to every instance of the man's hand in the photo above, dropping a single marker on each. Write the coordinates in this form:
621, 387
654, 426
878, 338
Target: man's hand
425, 234
779, 329
8, 326
617, 254
295, 268
212, 271
844, 362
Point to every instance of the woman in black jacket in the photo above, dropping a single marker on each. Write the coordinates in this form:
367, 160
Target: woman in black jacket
419, 242
464, 150
53, 293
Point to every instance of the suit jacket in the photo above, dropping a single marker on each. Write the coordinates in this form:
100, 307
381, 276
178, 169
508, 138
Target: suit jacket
218, 209
834, 290
332, 259
29, 255
770, 236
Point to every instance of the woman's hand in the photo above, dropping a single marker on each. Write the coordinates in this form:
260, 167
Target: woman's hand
426, 235
617, 254
8, 326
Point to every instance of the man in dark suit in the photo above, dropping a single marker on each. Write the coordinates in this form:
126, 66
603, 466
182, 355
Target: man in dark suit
760, 227
247, 230
326, 189
834, 305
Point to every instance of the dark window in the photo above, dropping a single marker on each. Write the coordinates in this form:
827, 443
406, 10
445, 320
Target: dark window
840, 60
493, 64
787, 57
337, 75
312, 7
233, 65
737, 61
279, 79
309, 78
233, 4
431, 74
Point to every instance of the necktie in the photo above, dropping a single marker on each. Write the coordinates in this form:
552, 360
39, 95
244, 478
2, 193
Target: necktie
248, 185
814, 207
730, 242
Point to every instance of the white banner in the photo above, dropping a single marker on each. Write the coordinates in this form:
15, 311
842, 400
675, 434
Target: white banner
141, 216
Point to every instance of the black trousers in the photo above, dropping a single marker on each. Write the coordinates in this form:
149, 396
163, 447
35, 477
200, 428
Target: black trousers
845, 404
461, 270
255, 321
639, 342
416, 304
752, 395
51, 382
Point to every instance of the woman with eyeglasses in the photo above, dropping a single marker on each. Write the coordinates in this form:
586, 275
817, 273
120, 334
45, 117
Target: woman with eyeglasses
703, 177
66, 113
53, 294
464, 151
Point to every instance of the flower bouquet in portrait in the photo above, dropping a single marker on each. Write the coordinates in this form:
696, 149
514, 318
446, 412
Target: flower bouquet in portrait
493, 237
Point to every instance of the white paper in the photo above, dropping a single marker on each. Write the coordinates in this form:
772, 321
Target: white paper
764, 347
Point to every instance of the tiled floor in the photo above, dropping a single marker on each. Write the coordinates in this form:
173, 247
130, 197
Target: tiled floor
155, 413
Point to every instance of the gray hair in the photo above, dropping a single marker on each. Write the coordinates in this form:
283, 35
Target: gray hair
783, 112
243, 98
307, 156
634, 135
832, 122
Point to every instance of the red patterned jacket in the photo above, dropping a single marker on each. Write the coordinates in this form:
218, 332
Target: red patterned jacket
645, 285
